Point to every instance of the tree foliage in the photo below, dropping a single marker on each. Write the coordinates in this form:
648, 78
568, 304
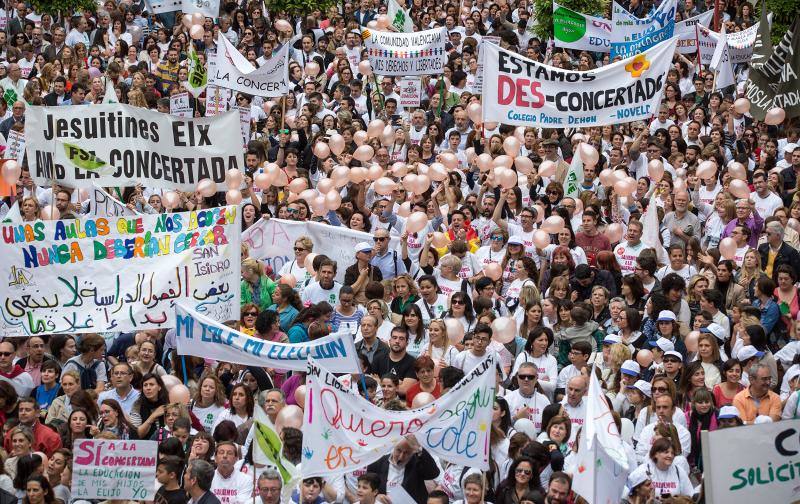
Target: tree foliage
783, 12
543, 27
299, 7
65, 7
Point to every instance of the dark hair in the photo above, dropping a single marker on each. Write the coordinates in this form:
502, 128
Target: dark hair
26, 466
674, 281
372, 479
47, 489
505, 420
449, 376
57, 344
534, 335
224, 432
172, 464
171, 447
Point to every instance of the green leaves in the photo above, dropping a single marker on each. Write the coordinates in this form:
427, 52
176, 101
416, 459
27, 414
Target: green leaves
299, 7
67, 7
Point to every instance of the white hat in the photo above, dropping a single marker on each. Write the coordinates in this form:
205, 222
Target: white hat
717, 330
363, 247
673, 353
631, 367
516, 240
637, 477
792, 373
666, 316
748, 352
663, 344
610, 339
643, 387
727, 412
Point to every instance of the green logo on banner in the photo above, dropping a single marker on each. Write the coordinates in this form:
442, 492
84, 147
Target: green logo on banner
10, 96
568, 26
82, 158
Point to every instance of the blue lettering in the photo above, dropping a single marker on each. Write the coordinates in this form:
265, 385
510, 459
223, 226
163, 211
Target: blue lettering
453, 439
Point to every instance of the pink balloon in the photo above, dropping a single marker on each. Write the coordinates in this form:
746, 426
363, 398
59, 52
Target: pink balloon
340, 176
384, 186
727, 248
655, 169
589, 154
553, 224
742, 105
49, 212
606, 177
405, 209
523, 164
416, 222
171, 200
449, 160
504, 160
541, 239
333, 200
186, 21
614, 232
739, 188
197, 32
298, 185
358, 174
623, 188
325, 185
262, 181
511, 146
11, 172
198, 18
484, 162
283, 25
233, 196
736, 170
775, 116
423, 184
437, 172
374, 172
234, 178
364, 68
179, 394
508, 179
317, 204
707, 170
307, 195
493, 270
475, 112
207, 187
322, 150
455, 331
336, 144
359, 137
547, 169
375, 128
364, 153
504, 330
300, 396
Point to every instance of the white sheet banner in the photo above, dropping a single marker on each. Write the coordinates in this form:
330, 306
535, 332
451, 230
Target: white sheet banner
343, 431
99, 274
523, 92
201, 336
573, 30
686, 33
417, 53
124, 470
271, 241
631, 35
102, 204
208, 8
762, 469
116, 145
231, 70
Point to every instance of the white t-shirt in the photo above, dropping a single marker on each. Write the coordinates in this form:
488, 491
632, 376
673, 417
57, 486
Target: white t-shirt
547, 367
673, 481
432, 311
237, 489
576, 414
535, 404
627, 254
316, 294
298, 271
766, 206
208, 416
687, 272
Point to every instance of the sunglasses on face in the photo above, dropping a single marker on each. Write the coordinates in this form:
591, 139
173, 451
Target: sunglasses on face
526, 377
380, 238
251, 314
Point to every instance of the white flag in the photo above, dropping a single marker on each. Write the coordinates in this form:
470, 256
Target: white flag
599, 425
650, 232
13, 215
111, 93
574, 179
721, 63
598, 478
399, 17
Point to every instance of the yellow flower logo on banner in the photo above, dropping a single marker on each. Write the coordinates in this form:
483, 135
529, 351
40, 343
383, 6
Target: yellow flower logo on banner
638, 65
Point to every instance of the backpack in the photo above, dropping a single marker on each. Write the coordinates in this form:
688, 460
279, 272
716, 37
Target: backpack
89, 375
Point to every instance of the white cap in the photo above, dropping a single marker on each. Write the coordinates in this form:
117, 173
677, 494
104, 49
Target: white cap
663, 344
610, 339
792, 373
637, 477
673, 353
729, 412
666, 316
643, 387
717, 330
631, 367
748, 352
516, 240
363, 247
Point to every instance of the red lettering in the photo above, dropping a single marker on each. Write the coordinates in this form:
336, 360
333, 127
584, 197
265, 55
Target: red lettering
505, 85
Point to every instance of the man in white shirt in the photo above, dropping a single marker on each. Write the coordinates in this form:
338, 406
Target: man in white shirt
13, 373
765, 200
78, 32
628, 251
664, 407
326, 289
466, 360
574, 405
662, 121
229, 486
526, 402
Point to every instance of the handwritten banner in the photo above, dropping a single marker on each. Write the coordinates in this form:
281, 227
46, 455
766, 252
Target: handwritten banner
410, 92
98, 274
201, 336
523, 92
764, 466
231, 70
114, 470
344, 431
102, 204
631, 35
208, 8
119, 145
686, 31
417, 53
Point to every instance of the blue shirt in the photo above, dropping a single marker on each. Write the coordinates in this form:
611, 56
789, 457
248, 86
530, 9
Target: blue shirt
126, 403
390, 264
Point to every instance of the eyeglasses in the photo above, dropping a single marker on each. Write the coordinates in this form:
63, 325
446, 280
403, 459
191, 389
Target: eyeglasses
526, 377
251, 314
552, 192
380, 238
497, 238
269, 490
6, 354
660, 389
479, 338
299, 249
520, 470
120, 373
457, 301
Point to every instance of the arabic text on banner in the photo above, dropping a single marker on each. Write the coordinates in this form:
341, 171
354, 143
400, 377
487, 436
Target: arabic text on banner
98, 274
523, 92
344, 431
201, 336
208, 8
418, 53
117, 145
114, 470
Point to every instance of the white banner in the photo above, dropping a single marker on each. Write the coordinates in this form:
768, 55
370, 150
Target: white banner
124, 470
201, 336
208, 8
270, 241
343, 431
217, 100
631, 35
179, 105
102, 204
762, 469
573, 30
721, 63
410, 92
117, 145
15, 146
231, 70
99, 274
740, 44
418, 53
522, 92
686, 33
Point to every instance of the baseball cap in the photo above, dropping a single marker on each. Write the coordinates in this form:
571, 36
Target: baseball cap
362, 247
610, 339
673, 353
717, 330
748, 352
631, 367
663, 344
643, 387
516, 240
636, 478
729, 412
583, 272
666, 316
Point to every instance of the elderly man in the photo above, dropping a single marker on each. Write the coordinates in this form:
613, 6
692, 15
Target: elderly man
758, 399
681, 224
408, 466
270, 486
388, 261
197, 482
777, 252
746, 216
574, 404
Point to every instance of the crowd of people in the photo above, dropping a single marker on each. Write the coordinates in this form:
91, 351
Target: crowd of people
689, 327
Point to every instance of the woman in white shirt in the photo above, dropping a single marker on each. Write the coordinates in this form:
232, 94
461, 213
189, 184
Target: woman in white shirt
242, 405
209, 402
440, 350
537, 351
462, 311
666, 476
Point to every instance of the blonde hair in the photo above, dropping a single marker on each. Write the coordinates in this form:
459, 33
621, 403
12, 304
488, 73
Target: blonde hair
306, 242
253, 266
617, 354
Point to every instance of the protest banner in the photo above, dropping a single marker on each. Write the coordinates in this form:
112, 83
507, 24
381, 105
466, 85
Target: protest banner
721, 63
686, 32
244, 122
116, 145
763, 469
102, 204
231, 70
740, 44
13, 215
410, 92
114, 470
270, 241
770, 72
179, 105
523, 92
15, 146
201, 336
208, 8
631, 35
399, 17
217, 100
573, 30
98, 274
788, 96
418, 53
343, 431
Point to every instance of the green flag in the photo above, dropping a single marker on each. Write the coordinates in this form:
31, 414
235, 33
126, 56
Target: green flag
268, 447
399, 17
198, 76
10, 96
